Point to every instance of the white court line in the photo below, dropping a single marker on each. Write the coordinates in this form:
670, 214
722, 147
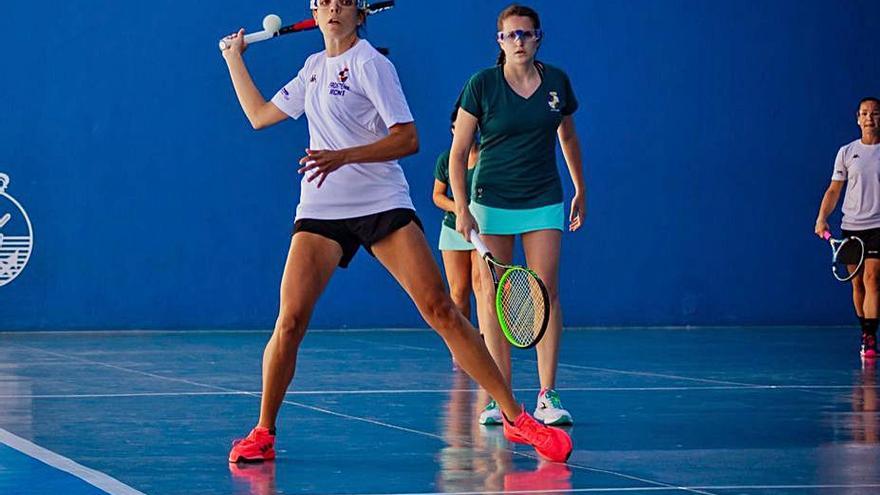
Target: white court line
810, 390
648, 373
435, 391
141, 331
640, 489
360, 419
61, 463
588, 368
514, 452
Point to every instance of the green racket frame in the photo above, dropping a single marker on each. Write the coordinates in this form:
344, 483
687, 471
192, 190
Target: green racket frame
499, 309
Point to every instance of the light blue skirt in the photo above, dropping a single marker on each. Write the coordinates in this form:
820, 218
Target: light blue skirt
505, 221
450, 240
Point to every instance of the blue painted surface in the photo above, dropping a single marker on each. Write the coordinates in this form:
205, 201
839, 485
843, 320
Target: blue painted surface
707, 124
21, 474
382, 412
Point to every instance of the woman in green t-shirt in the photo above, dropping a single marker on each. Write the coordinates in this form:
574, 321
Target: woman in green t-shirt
520, 107
459, 256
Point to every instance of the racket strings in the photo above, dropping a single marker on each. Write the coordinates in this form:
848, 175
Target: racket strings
848, 258
522, 305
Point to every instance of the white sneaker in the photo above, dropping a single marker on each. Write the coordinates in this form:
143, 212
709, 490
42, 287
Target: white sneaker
549, 409
491, 414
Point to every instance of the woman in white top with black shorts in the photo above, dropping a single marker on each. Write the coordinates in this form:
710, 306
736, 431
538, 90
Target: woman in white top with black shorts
858, 165
354, 194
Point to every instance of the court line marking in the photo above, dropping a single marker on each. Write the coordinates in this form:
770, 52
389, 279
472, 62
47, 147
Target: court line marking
812, 391
361, 419
95, 478
433, 391
588, 368
638, 489
648, 373
137, 331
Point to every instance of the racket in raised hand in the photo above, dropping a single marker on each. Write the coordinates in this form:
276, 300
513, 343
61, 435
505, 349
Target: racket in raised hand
272, 27
845, 253
521, 299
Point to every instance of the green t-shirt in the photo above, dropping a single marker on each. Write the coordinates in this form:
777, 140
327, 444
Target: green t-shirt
441, 173
518, 137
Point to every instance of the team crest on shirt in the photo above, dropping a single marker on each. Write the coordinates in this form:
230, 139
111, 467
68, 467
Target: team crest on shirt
314, 78
340, 88
553, 101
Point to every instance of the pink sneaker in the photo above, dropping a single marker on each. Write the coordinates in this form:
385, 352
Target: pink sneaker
258, 446
551, 443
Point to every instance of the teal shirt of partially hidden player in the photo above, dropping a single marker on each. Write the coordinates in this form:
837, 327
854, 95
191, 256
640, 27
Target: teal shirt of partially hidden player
518, 137
441, 173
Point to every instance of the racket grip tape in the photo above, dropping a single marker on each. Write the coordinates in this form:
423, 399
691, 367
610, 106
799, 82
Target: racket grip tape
252, 38
478, 243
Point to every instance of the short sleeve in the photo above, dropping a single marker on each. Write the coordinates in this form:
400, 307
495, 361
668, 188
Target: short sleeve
291, 98
571, 103
472, 96
381, 86
441, 169
840, 173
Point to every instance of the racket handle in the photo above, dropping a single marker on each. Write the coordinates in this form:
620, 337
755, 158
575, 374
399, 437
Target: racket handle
826, 235
251, 38
478, 243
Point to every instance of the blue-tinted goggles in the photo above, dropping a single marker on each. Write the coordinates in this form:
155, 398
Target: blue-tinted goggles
520, 35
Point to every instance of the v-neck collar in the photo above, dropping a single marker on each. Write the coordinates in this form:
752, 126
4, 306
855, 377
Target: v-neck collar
510, 88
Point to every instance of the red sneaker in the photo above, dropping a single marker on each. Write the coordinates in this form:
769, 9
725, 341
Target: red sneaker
551, 443
258, 446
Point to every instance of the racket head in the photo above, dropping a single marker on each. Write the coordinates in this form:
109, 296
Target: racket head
846, 253
523, 306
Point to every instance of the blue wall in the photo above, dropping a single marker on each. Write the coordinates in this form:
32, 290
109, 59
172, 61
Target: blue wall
709, 130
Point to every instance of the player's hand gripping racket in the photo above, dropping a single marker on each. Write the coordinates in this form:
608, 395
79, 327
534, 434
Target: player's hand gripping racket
845, 252
272, 25
521, 299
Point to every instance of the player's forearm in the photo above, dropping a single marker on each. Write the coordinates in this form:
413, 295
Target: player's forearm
249, 96
829, 202
571, 151
443, 202
395, 145
458, 179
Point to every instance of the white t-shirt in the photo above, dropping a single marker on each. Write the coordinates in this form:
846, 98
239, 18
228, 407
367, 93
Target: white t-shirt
859, 165
349, 100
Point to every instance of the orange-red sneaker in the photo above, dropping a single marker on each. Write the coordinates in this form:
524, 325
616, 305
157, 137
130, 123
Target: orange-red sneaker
551, 443
258, 446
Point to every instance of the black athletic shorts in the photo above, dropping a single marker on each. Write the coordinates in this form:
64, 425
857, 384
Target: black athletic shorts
870, 237
351, 233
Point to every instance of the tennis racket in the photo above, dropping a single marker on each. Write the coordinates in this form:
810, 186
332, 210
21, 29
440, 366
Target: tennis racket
845, 252
272, 25
521, 299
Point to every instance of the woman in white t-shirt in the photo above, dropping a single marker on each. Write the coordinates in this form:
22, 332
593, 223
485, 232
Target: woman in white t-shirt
858, 165
354, 194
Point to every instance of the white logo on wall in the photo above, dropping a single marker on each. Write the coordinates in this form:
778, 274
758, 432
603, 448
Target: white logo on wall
16, 235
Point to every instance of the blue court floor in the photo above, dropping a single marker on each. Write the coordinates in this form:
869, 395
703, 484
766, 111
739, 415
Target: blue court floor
710, 411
